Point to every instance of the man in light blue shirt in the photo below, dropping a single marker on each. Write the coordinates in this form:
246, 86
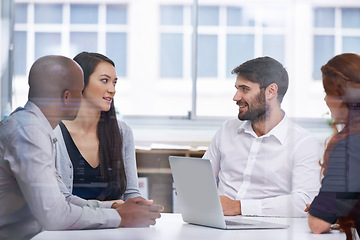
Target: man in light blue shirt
32, 196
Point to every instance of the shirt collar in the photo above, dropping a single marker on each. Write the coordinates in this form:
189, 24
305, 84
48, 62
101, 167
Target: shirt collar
30, 106
279, 131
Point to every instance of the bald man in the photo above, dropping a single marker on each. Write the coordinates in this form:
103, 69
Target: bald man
32, 196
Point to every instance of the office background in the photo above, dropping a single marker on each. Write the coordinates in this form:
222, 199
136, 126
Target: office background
174, 58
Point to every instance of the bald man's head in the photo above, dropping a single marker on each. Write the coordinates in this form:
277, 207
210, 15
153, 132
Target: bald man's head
56, 83
51, 75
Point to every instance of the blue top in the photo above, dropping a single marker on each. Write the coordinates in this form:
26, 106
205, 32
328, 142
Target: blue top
339, 195
91, 180
88, 183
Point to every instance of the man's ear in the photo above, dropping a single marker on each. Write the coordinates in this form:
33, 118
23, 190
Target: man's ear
65, 96
271, 91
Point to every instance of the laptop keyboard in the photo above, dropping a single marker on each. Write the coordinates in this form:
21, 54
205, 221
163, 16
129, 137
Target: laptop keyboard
232, 223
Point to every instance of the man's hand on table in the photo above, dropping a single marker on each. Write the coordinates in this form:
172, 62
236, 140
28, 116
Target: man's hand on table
230, 207
138, 212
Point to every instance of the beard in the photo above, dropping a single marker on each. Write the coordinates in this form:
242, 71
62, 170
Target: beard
256, 109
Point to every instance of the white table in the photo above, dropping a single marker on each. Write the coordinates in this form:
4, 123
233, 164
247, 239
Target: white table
171, 227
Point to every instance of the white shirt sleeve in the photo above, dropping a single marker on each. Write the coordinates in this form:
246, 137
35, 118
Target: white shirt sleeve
213, 154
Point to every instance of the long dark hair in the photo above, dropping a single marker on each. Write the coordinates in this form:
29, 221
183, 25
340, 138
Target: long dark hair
110, 139
338, 73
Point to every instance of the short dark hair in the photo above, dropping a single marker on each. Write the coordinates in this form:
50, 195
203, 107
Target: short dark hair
265, 71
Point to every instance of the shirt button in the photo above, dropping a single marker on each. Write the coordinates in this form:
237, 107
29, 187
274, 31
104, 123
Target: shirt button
247, 177
70, 166
70, 177
252, 158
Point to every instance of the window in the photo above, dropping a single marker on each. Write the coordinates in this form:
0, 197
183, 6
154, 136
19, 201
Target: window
116, 14
235, 44
47, 43
6, 56
20, 38
84, 14
207, 55
83, 41
19, 50
171, 55
48, 13
228, 36
152, 46
167, 56
172, 15
336, 30
172, 41
208, 16
21, 13
116, 50
66, 29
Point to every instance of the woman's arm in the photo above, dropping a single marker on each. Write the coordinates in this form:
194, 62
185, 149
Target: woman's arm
318, 225
132, 188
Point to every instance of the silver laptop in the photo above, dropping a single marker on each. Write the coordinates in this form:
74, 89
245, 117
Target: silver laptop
198, 197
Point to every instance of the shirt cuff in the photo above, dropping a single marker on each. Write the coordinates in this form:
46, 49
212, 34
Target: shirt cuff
251, 207
114, 218
97, 204
106, 204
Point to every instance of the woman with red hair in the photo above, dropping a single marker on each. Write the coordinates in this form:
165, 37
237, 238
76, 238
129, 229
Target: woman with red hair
338, 199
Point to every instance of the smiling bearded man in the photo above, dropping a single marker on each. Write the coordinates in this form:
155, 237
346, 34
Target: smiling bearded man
265, 164
256, 108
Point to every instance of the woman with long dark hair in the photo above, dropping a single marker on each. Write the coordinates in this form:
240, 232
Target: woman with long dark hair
96, 154
339, 197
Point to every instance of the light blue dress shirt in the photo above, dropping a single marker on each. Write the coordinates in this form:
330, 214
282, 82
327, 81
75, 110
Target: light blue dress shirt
32, 196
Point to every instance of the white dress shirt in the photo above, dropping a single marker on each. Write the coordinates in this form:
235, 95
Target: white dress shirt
276, 174
32, 195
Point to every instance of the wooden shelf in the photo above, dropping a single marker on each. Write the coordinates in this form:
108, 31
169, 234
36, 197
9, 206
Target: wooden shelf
154, 170
185, 152
154, 165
